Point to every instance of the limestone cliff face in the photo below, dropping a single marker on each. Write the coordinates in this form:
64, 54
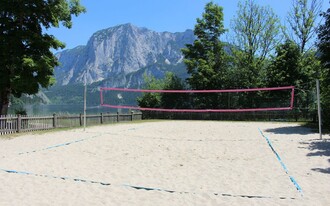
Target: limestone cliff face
120, 56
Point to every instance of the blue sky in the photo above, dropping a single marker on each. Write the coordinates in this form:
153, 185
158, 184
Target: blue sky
157, 15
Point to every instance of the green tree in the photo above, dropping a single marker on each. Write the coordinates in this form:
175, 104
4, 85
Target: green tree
174, 100
256, 32
151, 100
324, 50
310, 69
303, 22
206, 59
324, 42
163, 100
284, 69
289, 67
26, 60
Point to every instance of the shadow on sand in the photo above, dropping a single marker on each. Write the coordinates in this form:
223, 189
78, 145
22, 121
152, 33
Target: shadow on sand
320, 148
301, 130
315, 146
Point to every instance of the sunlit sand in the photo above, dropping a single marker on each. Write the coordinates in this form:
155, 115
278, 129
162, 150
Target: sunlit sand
167, 163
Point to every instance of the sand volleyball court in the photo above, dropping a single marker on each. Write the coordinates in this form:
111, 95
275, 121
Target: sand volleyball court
168, 163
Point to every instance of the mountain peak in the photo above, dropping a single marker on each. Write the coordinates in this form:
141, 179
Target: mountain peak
127, 25
118, 51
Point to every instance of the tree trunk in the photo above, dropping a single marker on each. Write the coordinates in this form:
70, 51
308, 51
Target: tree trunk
4, 101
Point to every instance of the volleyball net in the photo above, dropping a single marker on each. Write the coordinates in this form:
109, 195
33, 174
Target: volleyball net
229, 100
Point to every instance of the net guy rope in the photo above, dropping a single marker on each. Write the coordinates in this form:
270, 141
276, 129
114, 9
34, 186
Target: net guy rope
290, 107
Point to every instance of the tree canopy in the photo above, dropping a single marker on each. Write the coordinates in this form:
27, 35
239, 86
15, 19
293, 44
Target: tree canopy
163, 100
27, 62
324, 40
258, 56
206, 59
256, 32
284, 69
324, 55
303, 21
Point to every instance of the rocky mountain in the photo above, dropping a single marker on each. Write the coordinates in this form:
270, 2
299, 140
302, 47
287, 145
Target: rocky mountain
120, 55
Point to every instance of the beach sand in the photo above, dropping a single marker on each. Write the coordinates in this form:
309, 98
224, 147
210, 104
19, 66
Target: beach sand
168, 163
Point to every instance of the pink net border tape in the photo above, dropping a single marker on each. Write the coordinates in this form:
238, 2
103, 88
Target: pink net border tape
199, 91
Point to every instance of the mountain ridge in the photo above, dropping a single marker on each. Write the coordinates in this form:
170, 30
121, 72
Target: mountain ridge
115, 55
